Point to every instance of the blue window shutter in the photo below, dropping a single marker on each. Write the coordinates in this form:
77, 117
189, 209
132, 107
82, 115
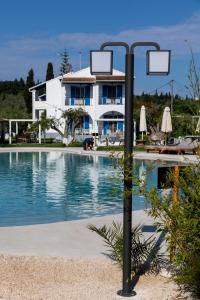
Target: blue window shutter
120, 125
87, 95
72, 94
119, 93
105, 93
86, 122
105, 127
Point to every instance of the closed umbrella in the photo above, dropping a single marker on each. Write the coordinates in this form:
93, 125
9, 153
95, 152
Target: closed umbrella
166, 121
166, 126
143, 123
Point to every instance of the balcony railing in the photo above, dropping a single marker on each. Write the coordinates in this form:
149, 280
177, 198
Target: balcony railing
77, 101
110, 101
80, 131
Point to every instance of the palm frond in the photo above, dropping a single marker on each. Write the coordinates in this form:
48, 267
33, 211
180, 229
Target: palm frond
144, 255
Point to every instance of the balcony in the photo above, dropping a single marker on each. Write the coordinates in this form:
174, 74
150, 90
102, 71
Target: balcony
81, 131
77, 101
110, 101
40, 97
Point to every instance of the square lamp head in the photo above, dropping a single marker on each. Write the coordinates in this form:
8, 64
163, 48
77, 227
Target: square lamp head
101, 62
158, 62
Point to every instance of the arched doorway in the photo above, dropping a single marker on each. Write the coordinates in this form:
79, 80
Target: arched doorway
110, 123
85, 126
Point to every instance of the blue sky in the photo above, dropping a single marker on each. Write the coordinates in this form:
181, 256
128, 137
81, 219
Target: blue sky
34, 34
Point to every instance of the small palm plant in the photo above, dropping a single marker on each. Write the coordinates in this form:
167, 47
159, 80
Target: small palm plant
144, 255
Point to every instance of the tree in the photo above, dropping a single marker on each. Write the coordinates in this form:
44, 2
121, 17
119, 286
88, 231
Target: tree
12, 87
27, 95
13, 106
45, 124
72, 119
65, 66
193, 86
49, 72
179, 219
193, 77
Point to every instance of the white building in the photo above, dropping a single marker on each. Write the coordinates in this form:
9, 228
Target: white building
101, 96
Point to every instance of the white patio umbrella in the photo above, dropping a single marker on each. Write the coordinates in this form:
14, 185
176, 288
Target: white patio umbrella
198, 126
166, 126
166, 121
143, 123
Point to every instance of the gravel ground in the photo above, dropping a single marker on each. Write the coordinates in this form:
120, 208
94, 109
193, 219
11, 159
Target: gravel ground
51, 278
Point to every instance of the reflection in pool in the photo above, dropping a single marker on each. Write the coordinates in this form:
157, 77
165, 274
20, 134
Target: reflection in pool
43, 187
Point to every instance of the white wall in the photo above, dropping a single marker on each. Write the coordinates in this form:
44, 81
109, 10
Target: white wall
56, 93
54, 98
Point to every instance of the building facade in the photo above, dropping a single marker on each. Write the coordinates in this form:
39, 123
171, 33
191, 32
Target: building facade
101, 97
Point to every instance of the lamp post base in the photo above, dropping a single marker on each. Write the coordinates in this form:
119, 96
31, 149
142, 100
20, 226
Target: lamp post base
124, 294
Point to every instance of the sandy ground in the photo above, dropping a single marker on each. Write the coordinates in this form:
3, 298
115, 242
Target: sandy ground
45, 278
64, 260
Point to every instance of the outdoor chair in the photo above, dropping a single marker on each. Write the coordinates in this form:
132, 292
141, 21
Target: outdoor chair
113, 141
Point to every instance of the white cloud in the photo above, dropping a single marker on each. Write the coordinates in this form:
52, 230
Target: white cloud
26, 51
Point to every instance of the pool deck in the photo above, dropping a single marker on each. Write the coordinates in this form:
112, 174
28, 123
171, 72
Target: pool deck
77, 150
65, 260
69, 238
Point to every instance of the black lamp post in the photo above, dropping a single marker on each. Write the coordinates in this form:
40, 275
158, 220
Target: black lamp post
158, 63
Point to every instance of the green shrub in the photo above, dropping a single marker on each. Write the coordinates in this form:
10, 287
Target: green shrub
181, 221
144, 256
48, 140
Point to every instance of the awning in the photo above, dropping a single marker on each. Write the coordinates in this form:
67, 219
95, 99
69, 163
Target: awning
78, 80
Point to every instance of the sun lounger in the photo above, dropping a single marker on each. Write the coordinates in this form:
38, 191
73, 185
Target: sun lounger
185, 146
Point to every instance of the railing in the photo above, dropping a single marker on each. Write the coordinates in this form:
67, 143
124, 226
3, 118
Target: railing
80, 131
77, 101
110, 101
40, 98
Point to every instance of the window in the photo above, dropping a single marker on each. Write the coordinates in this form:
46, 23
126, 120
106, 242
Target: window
111, 94
79, 92
80, 95
113, 115
111, 91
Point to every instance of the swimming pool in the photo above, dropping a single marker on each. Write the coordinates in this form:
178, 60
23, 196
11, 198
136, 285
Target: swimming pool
43, 187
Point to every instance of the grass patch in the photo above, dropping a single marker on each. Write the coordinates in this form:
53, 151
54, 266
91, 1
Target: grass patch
118, 148
110, 148
75, 144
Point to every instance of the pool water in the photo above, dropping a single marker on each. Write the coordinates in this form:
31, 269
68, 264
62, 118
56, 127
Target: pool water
44, 187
